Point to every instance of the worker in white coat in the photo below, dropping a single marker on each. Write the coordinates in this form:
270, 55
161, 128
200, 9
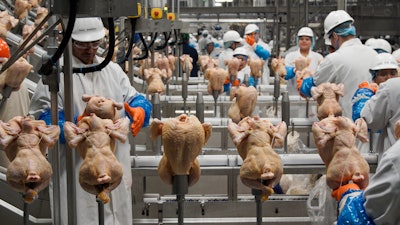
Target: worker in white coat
380, 202
349, 64
110, 82
381, 110
231, 40
242, 54
305, 41
257, 49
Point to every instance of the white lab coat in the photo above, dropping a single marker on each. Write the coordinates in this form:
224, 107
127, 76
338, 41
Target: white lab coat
382, 196
382, 111
113, 83
253, 55
316, 58
226, 54
243, 72
348, 65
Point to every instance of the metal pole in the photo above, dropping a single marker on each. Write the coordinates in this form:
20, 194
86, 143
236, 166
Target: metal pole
100, 208
285, 113
200, 107
157, 114
70, 154
26, 213
257, 196
184, 88
180, 188
277, 86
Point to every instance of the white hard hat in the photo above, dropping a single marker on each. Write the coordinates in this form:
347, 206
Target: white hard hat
231, 35
334, 19
396, 54
383, 45
240, 51
88, 29
384, 61
250, 28
305, 31
370, 42
205, 32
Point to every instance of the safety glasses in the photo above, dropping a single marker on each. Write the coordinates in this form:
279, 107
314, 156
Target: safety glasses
87, 45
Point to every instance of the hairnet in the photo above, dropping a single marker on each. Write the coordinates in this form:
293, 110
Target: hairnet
345, 29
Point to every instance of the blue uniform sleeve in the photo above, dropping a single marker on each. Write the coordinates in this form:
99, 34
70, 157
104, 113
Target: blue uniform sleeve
46, 117
351, 209
289, 72
360, 97
262, 52
141, 101
306, 86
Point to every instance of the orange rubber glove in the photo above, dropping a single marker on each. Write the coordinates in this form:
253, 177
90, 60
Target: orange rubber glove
137, 115
81, 116
227, 81
236, 83
372, 86
337, 193
250, 40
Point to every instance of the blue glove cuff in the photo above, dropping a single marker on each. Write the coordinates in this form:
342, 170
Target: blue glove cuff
306, 86
253, 82
359, 99
289, 72
352, 210
262, 52
46, 117
141, 101
227, 87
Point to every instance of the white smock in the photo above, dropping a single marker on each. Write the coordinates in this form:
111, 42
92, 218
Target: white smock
226, 54
348, 65
315, 58
253, 55
382, 196
243, 72
382, 111
110, 82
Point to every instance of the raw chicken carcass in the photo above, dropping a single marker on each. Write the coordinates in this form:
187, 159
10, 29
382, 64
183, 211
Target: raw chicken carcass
15, 74
335, 138
216, 78
327, 97
255, 139
246, 99
255, 67
186, 63
233, 67
183, 138
21, 8
95, 140
104, 108
25, 142
302, 67
278, 66
154, 80
26, 31
6, 23
163, 63
41, 13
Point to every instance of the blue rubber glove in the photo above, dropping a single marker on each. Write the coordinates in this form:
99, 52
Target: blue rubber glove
253, 82
360, 97
289, 72
306, 86
46, 117
261, 52
351, 209
141, 101
227, 87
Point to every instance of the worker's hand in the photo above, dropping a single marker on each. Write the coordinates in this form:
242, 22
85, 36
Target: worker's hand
304, 86
137, 115
227, 85
339, 192
372, 86
81, 116
360, 97
236, 83
290, 73
250, 40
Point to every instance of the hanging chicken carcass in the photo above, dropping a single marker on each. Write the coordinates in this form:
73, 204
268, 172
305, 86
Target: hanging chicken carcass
183, 138
25, 142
